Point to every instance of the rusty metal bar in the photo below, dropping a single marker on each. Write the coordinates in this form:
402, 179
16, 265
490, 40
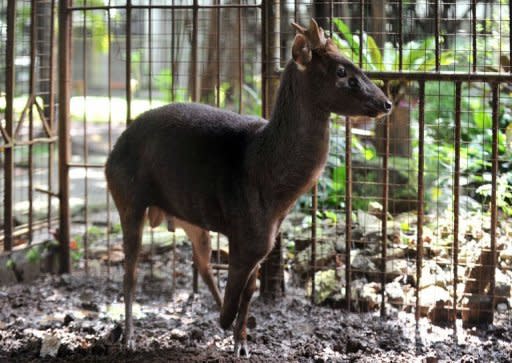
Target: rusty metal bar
494, 207
331, 16
400, 36
510, 36
456, 192
314, 209
348, 208
47, 192
420, 198
240, 62
109, 127
194, 56
150, 94
35, 140
441, 76
195, 98
361, 30
128, 70
51, 146
173, 55
473, 34
385, 207
164, 7
85, 150
64, 128
84, 165
436, 34
217, 103
32, 92
9, 123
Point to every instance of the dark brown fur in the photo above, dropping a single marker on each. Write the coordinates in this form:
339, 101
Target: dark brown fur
233, 174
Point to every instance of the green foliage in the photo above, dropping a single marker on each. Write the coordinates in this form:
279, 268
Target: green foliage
95, 24
416, 55
164, 83
10, 264
33, 255
503, 193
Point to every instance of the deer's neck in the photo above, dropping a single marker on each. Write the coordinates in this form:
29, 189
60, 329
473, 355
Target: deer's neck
293, 147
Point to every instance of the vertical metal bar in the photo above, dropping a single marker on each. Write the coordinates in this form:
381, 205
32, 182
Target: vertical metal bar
385, 207
264, 59
195, 85
314, 208
85, 144
436, 31
361, 30
494, 208
109, 95
400, 36
32, 91
473, 34
173, 51
456, 191
217, 102
419, 226
195, 98
9, 123
240, 62
510, 36
64, 128
128, 74
296, 11
150, 94
348, 209
331, 16
51, 146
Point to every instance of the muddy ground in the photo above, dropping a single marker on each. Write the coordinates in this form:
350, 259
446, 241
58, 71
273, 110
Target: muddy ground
79, 319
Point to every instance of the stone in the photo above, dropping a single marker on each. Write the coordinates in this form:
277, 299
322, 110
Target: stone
430, 296
49, 346
395, 294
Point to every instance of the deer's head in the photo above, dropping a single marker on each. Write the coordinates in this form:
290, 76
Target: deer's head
336, 84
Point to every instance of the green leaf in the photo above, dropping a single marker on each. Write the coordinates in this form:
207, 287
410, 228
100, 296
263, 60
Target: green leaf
349, 37
338, 178
483, 120
375, 55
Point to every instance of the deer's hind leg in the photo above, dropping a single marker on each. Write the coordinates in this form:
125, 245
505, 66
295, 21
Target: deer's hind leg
201, 250
132, 222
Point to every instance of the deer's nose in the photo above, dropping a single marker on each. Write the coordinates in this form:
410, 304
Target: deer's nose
388, 105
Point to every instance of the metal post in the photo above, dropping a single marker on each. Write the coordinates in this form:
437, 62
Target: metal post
348, 209
9, 122
272, 274
64, 130
420, 197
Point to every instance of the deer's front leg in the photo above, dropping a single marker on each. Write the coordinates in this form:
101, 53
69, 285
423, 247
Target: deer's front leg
244, 257
240, 330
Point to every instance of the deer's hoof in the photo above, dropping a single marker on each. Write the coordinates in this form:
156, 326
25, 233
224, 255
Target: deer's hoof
241, 350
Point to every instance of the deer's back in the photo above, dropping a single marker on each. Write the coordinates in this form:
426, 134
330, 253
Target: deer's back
185, 158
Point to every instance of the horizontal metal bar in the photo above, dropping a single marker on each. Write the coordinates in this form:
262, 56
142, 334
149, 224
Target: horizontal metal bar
84, 165
175, 7
40, 140
22, 229
219, 266
44, 191
441, 76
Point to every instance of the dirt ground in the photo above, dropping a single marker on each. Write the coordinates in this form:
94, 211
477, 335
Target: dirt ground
74, 318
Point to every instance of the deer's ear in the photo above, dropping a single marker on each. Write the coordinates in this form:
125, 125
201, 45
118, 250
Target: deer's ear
301, 51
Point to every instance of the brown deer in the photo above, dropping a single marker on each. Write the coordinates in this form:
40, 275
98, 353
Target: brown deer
212, 170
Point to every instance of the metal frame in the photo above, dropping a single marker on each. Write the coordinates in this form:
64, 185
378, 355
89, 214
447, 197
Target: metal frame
270, 42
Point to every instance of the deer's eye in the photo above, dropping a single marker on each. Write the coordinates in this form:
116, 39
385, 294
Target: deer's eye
340, 72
